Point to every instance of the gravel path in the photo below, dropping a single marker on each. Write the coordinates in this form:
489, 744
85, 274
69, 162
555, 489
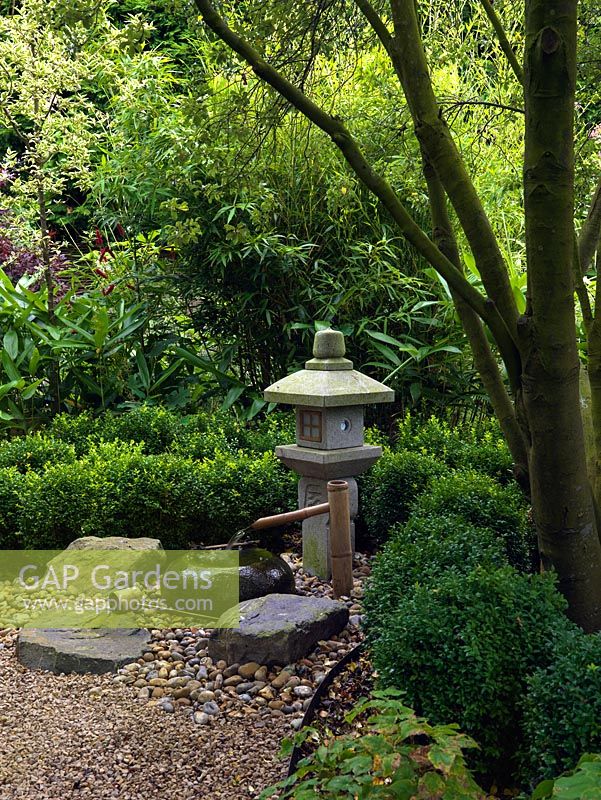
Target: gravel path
80, 736
90, 737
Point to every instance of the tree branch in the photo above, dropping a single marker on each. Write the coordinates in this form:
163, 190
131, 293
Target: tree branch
503, 40
409, 60
460, 103
376, 22
341, 137
588, 240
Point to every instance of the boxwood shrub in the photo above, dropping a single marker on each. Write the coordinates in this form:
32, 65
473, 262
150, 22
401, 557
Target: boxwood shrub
389, 489
80, 430
12, 484
153, 427
481, 501
34, 452
463, 648
118, 490
236, 490
197, 436
562, 713
420, 552
478, 446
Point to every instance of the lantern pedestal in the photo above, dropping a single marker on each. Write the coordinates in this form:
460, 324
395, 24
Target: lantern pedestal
316, 530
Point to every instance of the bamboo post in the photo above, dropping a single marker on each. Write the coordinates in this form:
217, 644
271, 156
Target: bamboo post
340, 538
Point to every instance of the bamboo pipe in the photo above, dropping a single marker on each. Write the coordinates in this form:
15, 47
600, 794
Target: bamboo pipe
290, 516
340, 538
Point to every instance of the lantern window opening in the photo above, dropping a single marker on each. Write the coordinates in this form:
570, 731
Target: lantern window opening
311, 426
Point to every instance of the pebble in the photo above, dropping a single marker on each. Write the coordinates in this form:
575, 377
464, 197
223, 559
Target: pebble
248, 670
281, 680
211, 708
177, 674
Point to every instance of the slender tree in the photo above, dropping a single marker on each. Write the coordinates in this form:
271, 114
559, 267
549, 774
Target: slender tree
542, 421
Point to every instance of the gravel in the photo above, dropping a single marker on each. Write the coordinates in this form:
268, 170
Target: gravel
171, 726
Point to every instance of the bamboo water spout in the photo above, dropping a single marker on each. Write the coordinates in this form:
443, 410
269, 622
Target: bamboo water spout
340, 532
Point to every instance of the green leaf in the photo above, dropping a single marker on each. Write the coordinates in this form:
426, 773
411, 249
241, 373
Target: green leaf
5, 388
231, 397
9, 367
29, 392
11, 343
143, 369
383, 337
388, 353
441, 758
543, 790
415, 391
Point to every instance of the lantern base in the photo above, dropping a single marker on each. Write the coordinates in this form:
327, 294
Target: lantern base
316, 530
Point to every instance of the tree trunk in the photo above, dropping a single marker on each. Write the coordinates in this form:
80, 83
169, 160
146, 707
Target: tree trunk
561, 496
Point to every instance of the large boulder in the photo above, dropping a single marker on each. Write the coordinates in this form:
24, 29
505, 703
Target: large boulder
80, 650
115, 543
277, 629
262, 572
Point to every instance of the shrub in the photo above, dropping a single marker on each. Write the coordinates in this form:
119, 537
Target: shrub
421, 551
118, 490
56, 506
79, 430
11, 488
482, 502
34, 452
264, 436
562, 717
204, 436
463, 649
142, 495
478, 446
237, 490
152, 426
390, 488
582, 783
399, 755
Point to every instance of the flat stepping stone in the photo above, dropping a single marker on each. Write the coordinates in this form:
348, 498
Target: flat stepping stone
277, 629
80, 650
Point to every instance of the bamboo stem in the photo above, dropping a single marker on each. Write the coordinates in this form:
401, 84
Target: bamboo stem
290, 516
340, 538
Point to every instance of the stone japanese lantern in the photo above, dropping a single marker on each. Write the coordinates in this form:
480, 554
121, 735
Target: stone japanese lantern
329, 396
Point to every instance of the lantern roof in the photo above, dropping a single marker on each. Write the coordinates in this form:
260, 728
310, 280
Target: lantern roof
328, 379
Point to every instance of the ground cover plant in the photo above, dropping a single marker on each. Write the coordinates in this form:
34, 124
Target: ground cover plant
395, 755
